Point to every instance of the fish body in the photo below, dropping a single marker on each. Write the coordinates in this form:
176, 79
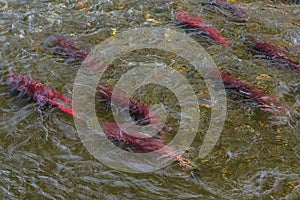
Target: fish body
24, 85
138, 110
66, 47
234, 9
142, 141
265, 101
195, 21
273, 52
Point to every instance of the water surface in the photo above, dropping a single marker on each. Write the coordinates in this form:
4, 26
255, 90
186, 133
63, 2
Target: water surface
42, 156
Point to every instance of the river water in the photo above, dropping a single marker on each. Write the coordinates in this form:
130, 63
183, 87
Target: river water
42, 157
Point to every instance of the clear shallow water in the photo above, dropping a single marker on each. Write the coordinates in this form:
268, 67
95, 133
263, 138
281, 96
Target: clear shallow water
43, 158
